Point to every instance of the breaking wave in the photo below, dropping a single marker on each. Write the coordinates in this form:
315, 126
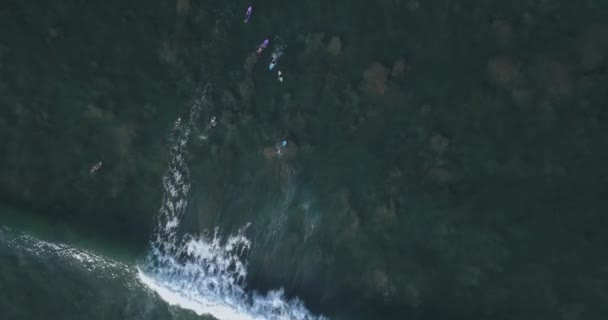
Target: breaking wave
204, 273
69, 255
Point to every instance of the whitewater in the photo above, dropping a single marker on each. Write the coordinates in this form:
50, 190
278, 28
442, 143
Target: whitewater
204, 273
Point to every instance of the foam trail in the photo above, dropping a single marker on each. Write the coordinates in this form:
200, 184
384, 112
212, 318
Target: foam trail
204, 273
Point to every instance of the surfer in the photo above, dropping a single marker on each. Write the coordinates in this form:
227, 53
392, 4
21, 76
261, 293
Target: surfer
281, 146
280, 74
263, 46
212, 123
95, 167
275, 57
273, 62
276, 54
248, 14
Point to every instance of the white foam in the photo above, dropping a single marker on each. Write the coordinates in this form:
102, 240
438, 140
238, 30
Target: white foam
205, 274
198, 304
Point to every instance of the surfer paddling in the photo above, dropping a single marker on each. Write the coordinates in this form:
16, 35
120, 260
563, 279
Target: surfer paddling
275, 58
280, 147
248, 14
262, 46
95, 167
276, 53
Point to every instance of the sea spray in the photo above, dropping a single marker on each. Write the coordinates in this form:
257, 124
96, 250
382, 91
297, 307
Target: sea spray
205, 273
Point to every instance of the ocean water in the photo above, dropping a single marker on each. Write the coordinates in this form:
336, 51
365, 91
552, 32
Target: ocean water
204, 274
419, 160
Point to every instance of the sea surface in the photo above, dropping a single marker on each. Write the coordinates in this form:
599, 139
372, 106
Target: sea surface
413, 159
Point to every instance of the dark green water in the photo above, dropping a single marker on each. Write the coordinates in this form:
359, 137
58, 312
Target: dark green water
446, 159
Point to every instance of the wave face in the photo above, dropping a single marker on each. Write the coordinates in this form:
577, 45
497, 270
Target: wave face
67, 255
204, 273
44, 279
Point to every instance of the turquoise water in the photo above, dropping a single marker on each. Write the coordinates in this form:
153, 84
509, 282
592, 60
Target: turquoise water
444, 159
